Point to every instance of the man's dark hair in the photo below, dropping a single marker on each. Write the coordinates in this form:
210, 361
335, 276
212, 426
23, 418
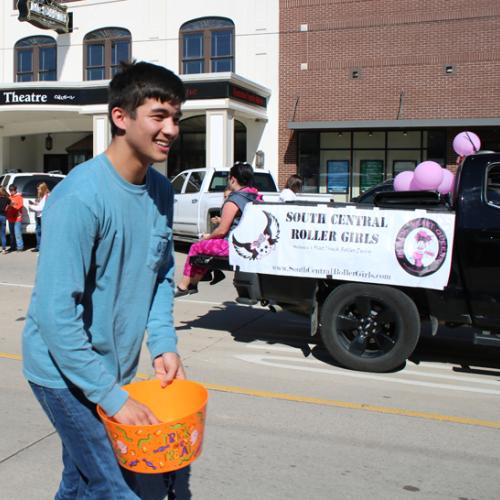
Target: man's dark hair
138, 81
294, 183
12, 187
243, 173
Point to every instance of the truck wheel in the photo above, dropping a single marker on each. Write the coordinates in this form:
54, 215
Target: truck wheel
369, 327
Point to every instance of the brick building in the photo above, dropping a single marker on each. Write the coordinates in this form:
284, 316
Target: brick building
371, 88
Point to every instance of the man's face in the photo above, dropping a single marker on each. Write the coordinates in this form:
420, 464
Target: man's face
153, 130
12, 191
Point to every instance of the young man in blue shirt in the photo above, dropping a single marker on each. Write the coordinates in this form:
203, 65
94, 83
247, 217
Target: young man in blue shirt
105, 275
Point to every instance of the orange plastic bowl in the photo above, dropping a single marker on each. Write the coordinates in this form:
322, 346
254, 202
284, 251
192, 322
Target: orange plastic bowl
170, 445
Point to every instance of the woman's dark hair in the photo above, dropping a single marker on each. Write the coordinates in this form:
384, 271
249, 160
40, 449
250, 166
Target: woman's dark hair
243, 173
294, 183
138, 81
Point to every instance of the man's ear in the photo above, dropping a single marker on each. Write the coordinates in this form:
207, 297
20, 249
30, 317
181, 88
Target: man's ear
120, 118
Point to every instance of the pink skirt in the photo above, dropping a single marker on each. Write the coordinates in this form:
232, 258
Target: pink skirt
219, 247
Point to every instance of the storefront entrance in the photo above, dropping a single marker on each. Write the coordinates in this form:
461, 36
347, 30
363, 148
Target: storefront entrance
189, 151
55, 163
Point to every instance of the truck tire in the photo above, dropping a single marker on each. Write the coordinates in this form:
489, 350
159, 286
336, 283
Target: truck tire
369, 327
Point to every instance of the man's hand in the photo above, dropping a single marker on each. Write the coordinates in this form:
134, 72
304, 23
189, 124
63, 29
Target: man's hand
168, 366
135, 413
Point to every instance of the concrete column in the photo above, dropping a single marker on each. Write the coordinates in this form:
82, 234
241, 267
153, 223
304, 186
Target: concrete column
102, 133
4, 153
219, 138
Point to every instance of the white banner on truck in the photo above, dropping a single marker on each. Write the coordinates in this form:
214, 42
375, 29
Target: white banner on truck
395, 247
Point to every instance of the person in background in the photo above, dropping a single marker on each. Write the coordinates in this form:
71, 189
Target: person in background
216, 243
104, 277
4, 203
292, 187
15, 217
42, 193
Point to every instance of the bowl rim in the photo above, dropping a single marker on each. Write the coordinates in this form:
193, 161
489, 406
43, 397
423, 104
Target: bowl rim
106, 418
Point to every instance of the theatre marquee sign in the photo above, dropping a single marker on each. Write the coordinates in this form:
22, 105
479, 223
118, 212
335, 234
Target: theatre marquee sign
98, 95
46, 14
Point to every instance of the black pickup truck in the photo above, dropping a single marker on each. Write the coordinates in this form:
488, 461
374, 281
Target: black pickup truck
374, 327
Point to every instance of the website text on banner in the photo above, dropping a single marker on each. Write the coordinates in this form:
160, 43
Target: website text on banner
395, 247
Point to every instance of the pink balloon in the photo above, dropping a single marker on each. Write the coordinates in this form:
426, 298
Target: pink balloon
466, 143
403, 180
415, 186
447, 183
428, 175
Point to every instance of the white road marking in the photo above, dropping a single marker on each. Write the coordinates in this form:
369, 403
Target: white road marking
3, 283
415, 370
440, 366
192, 301
279, 348
281, 362
255, 307
456, 378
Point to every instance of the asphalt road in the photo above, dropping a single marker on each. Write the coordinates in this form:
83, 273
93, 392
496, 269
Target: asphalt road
283, 421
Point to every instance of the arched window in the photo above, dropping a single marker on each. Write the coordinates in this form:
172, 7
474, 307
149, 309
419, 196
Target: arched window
103, 50
207, 45
35, 59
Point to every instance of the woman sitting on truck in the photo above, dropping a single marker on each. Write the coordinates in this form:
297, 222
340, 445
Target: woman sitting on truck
292, 187
216, 243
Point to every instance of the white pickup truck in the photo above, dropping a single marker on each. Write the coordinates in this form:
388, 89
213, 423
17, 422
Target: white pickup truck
199, 194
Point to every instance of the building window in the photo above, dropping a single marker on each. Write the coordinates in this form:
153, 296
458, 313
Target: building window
207, 46
371, 156
35, 59
104, 49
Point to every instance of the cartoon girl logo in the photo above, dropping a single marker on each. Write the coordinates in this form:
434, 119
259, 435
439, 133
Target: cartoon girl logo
421, 252
421, 247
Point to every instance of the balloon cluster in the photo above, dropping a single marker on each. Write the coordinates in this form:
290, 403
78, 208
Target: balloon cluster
429, 175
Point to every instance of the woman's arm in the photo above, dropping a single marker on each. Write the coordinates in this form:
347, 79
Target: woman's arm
229, 212
38, 207
35, 207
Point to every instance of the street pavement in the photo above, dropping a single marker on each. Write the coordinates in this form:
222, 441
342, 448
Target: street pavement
284, 422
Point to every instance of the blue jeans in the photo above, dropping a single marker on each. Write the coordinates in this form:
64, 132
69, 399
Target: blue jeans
16, 236
90, 467
38, 232
3, 238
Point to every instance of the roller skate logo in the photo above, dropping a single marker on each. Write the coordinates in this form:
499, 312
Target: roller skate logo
265, 242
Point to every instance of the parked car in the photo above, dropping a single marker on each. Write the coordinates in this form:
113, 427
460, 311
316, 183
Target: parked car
199, 197
369, 195
27, 183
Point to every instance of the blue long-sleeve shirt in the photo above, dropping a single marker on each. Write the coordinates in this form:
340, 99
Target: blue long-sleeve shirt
105, 275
